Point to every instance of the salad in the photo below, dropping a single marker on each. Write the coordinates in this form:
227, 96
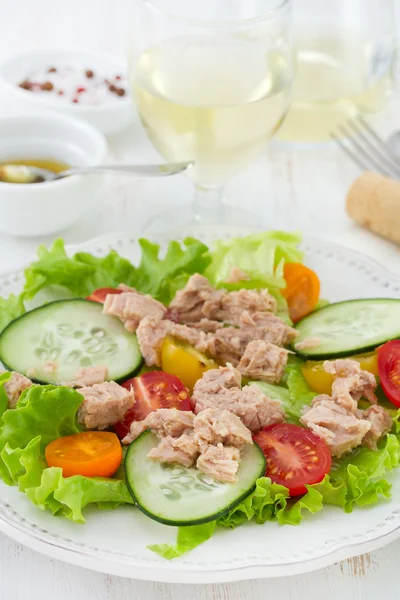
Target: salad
206, 387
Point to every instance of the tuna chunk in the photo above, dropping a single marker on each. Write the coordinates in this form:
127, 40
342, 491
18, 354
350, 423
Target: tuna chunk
183, 450
165, 422
217, 380
263, 361
207, 326
104, 405
233, 304
213, 426
229, 343
350, 383
152, 332
226, 345
220, 462
339, 428
89, 376
271, 328
237, 275
381, 423
131, 307
15, 386
199, 299
188, 303
253, 407
308, 343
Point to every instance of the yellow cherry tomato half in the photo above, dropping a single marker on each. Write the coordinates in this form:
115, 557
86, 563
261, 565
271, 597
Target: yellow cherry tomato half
321, 382
90, 453
184, 361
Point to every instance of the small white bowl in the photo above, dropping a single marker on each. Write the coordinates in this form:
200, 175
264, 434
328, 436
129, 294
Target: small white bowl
108, 117
36, 209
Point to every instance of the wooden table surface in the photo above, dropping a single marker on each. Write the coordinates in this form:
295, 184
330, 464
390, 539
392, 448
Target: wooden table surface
287, 188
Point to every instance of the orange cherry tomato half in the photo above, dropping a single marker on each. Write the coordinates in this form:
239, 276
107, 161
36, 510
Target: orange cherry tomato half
100, 294
90, 453
153, 390
302, 290
295, 456
389, 370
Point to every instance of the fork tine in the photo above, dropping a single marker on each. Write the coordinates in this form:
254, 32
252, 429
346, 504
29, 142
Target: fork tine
376, 145
356, 159
368, 158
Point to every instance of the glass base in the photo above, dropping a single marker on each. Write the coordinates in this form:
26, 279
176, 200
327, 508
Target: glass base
183, 221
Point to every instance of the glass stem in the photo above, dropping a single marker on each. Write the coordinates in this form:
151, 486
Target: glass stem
208, 206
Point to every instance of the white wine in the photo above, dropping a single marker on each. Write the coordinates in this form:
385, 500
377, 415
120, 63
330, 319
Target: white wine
335, 78
214, 102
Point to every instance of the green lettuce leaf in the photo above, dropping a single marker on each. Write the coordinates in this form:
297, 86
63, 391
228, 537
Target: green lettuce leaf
300, 394
43, 414
3, 396
10, 309
188, 538
364, 472
45, 411
294, 394
260, 255
83, 273
162, 277
80, 274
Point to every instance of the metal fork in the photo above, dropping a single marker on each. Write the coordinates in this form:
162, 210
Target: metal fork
366, 148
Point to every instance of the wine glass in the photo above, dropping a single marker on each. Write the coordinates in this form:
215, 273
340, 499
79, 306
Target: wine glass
211, 80
346, 62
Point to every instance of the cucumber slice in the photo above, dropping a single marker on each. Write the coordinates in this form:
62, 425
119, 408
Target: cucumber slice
176, 495
50, 343
350, 327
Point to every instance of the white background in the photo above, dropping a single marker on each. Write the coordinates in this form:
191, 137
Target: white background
302, 189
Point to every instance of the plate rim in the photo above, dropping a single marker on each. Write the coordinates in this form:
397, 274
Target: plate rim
172, 572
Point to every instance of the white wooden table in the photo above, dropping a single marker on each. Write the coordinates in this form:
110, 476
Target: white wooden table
290, 189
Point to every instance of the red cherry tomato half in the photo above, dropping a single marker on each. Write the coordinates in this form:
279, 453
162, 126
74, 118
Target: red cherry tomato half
389, 370
295, 456
152, 391
100, 294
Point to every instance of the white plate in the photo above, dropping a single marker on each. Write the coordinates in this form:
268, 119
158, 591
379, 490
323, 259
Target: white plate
115, 541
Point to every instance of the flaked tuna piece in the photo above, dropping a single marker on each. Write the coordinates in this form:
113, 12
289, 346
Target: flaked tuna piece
226, 345
308, 343
207, 326
213, 426
50, 367
217, 380
15, 386
104, 404
189, 302
271, 327
253, 407
256, 409
338, 427
164, 422
220, 462
199, 299
233, 304
229, 343
152, 332
131, 307
381, 423
263, 361
89, 376
183, 450
237, 275
350, 383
